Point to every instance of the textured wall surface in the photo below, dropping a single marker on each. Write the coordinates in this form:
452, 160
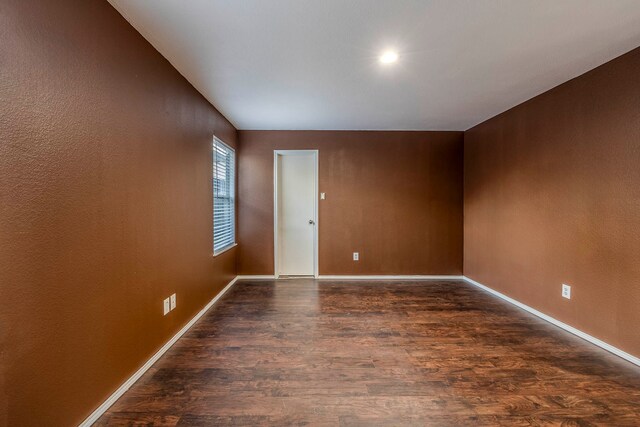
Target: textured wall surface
394, 197
552, 196
105, 206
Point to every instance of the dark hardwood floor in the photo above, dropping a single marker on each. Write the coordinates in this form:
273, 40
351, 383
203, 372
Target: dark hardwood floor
437, 353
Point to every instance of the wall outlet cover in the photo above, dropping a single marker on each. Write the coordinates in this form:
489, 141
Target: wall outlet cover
166, 306
356, 256
173, 301
566, 291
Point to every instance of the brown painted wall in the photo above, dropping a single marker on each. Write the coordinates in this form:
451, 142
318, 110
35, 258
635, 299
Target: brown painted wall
395, 197
105, 206
552, 196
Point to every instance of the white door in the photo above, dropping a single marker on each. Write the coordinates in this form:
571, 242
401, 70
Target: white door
296, 213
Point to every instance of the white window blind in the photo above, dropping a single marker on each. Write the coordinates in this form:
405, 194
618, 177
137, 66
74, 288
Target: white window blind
224, 211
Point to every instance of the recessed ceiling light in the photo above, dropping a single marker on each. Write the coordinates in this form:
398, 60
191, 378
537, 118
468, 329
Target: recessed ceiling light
388, 57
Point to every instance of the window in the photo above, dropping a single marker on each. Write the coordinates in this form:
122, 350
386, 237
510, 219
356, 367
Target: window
224, 197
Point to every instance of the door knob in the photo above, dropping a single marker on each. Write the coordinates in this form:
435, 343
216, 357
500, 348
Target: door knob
311, 222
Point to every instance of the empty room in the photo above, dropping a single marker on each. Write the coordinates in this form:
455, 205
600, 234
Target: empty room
319, 213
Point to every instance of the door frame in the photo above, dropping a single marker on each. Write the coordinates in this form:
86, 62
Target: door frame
276, 254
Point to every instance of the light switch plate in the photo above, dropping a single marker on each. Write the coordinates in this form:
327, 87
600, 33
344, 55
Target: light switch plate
173, 301
321, 196
167, 306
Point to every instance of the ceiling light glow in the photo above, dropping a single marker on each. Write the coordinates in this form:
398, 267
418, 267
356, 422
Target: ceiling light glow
388, 57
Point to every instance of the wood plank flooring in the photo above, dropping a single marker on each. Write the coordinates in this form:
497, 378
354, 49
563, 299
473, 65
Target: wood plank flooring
437, 353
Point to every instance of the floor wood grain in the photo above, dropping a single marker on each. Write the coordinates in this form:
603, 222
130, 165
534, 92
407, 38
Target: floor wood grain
437, 353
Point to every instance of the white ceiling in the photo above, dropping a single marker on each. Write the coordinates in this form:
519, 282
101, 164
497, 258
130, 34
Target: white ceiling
312, 64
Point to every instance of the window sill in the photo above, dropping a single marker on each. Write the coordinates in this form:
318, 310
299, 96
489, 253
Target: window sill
228, 248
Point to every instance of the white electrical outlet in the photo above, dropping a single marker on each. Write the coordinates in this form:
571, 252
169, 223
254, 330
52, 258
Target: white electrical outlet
173, 301
321, 196
356, 256
167, 306
566, 291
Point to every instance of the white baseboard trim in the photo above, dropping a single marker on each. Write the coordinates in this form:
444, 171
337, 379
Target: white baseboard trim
383, 277
363, 277
129, 382
568, 328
